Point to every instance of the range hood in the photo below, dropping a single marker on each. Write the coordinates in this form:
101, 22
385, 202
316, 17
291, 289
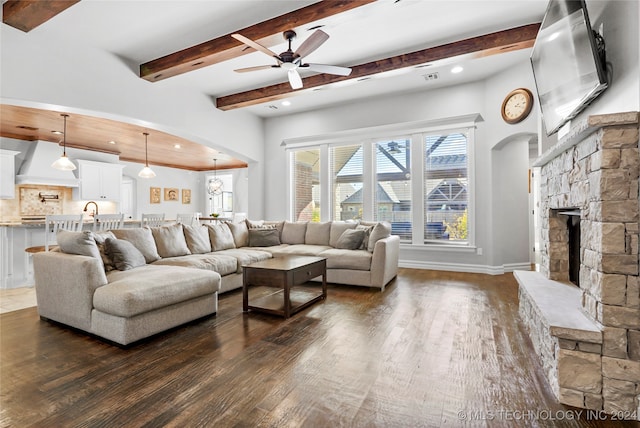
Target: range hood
37, 169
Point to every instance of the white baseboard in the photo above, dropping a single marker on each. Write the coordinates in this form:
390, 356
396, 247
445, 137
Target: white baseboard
461, 267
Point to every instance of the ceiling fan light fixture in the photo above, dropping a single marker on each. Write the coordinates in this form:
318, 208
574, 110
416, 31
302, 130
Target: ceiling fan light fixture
64, 163
146, 172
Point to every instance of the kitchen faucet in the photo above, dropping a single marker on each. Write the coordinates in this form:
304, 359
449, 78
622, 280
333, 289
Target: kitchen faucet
95, 212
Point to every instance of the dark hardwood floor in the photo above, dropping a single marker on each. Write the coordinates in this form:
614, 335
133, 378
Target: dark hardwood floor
435, 349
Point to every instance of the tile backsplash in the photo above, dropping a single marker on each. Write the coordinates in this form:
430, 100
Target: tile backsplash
57, 200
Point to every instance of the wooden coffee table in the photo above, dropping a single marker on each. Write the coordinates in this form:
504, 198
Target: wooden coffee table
284, 273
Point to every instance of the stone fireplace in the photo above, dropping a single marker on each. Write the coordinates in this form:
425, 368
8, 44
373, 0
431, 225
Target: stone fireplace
588, 337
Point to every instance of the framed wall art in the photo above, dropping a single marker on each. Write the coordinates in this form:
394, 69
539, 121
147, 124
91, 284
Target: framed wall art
186, 196
154, 195
171, 194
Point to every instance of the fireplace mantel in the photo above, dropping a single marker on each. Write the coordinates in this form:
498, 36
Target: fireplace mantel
580, 130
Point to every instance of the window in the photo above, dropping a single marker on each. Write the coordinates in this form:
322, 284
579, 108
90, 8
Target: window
446, 187
392, 198
347, 188
305, 168
417, 176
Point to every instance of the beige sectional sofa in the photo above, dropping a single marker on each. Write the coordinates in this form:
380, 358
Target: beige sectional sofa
128, 284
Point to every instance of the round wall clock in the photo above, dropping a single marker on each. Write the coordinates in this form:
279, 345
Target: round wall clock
517, 105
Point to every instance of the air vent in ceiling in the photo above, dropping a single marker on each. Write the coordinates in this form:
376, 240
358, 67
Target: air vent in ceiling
431, 76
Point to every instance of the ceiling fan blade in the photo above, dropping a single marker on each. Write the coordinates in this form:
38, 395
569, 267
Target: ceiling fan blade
329, 69
312, 43
255, 45
256, 68
294, 79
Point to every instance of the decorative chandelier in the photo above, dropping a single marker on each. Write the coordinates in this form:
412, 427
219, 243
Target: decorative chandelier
64, 164
215, 184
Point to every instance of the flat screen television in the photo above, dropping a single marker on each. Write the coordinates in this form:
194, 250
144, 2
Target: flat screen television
568, 63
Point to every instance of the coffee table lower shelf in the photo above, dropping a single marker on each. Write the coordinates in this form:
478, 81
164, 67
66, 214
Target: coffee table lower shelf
273, 303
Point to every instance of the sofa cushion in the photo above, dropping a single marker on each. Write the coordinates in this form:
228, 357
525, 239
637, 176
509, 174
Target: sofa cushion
380, 231
142, 239
240, 233
81, 243
293, 233
246, 256
251, 224
152, 287
100, 238
347, 259
263, 237
277, 224
220, 237
298, 249
170, 240
350, 239
216, 262
337, 229
123, 254
317, 233
197, 238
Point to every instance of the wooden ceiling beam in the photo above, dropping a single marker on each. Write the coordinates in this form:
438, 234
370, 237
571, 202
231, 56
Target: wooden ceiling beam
489, 44
224, 48
25, 15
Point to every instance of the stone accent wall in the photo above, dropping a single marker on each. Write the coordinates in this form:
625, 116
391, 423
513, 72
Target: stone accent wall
598, 172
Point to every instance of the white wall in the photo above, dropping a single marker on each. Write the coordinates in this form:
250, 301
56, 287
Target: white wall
483, 97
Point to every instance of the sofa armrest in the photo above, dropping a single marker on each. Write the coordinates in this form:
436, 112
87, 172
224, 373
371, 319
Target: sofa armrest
64, 287
384, 263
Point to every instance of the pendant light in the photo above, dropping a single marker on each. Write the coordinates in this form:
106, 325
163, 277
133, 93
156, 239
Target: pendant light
146, 172
64, 164
215, 185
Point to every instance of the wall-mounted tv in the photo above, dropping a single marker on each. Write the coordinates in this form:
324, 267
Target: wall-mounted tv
568, 63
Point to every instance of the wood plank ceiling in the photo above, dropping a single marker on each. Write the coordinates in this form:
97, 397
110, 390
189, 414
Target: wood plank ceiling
110, 136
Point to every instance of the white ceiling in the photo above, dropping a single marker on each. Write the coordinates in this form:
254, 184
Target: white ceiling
143, 30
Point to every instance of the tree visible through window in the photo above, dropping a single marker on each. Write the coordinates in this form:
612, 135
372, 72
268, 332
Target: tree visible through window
446, 183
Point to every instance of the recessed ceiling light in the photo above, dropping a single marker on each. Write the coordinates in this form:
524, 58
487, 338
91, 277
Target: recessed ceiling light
112, 142
457, 69
286, 103
176, 146
57, 132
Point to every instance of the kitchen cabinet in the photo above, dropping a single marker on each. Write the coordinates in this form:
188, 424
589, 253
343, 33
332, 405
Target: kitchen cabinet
7, 174
99, 181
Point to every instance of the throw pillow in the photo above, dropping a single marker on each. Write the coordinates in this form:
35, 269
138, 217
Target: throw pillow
263, 237
220, 237
380, 231
100, 238
124, 254
367, 232
317, 233
350, 239
170, 241
337, 229
251, 224
240, 233
80, 243
142, 239
197, 238
293, 233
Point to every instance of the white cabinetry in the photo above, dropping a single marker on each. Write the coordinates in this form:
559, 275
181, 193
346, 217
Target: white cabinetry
7, 174
99, 181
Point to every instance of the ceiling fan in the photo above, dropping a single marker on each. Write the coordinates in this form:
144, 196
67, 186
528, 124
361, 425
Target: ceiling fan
292, 61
